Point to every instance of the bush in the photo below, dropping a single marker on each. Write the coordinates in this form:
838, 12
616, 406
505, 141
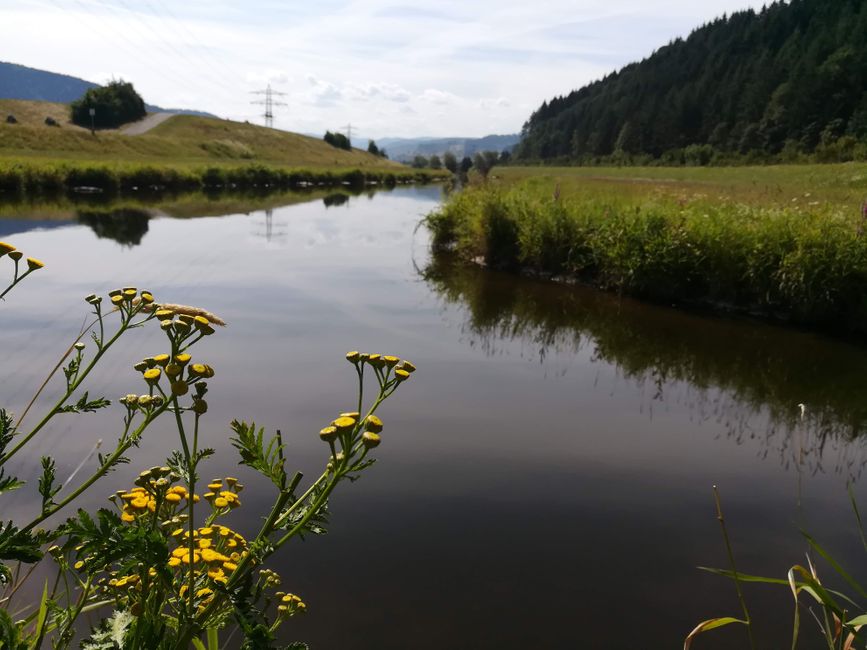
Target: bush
115, 104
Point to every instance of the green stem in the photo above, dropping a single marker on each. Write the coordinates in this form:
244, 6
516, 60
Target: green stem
731, 557
70, 390
122, 447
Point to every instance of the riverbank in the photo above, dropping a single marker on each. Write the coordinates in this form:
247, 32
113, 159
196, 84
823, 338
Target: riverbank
35, 177
721, 245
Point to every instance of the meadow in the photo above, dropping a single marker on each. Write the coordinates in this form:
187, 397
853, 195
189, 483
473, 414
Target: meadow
184, 152
780, 242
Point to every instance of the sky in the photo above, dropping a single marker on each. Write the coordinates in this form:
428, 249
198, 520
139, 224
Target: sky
388, 68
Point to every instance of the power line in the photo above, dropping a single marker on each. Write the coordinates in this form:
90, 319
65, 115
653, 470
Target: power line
269, 103
348, 128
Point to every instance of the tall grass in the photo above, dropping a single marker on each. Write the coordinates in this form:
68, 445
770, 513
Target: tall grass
32, 177
806, 266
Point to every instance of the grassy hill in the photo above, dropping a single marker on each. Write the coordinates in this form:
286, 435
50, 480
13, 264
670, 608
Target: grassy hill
183, 139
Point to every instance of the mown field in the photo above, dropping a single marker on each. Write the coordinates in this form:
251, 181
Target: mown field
183, 139
184, 152
781, 242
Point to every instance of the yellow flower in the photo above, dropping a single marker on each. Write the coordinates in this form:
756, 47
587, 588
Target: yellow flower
152, 375
373, 423
33, 264
78, 565
391, 361
5, 248
205, 544
408, 366
328, 434
139, 503
215, 485
371, 439
230, 566
127, 517
201, 322
350, 414
352, 357
162, 359
206, 532
182, 359
204, 592
401, 375
164, 314
116, 300
147, 297
344, 423
174, 561
129, 294
220, 502
173, 497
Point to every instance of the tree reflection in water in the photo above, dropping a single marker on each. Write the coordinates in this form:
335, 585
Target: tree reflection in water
751, 377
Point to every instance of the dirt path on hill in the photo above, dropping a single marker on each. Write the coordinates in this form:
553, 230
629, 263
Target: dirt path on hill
146, 124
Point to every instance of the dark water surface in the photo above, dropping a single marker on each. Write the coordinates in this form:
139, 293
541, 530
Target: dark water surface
545, 477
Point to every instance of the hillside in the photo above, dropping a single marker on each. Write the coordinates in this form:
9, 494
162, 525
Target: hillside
787, 81
405, 149
20, 82
181, 139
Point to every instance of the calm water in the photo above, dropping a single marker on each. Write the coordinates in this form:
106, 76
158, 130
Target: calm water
545, 477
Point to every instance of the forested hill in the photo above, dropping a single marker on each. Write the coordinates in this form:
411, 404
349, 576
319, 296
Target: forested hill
788, 81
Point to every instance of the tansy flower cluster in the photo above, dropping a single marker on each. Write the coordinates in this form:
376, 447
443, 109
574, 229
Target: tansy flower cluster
216, 552
15, 255
181, 374
155, 495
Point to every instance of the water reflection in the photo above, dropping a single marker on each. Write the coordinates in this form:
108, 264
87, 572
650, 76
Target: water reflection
126, 226
335, 199
739, 372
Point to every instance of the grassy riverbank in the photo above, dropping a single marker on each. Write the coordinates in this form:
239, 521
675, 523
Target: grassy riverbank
38, 177
782, 242
185, 152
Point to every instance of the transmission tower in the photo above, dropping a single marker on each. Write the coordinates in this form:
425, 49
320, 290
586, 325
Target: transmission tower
269, 103
348, 128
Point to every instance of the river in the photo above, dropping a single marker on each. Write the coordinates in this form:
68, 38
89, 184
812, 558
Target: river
545, 477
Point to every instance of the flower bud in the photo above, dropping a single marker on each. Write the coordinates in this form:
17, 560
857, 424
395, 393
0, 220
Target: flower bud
180, 388
391, 361
116, 300
145, 400
370, 439
408, 366
141, 366
373, 423
161, 359
16, 255
5, 248
186, 318
352, 357
34, 264
152, 375
173, 370
182, 359
200, 406
181, 327
79, 346
164, 314
147, 297
328, 434
344, 424
401, 375
129, 294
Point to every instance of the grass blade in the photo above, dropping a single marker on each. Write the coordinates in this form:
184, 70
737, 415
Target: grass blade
710, 624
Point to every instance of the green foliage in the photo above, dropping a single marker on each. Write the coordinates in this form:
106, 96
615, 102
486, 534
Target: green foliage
111, 633
264, 457
745, 86
115, 104
47, 487
420, 162
34, 178
337, 140
85, 405
807, 266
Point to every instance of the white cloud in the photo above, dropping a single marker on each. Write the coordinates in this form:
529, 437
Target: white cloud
463, 69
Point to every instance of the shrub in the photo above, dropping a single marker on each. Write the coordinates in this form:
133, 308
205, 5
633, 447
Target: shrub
115, 104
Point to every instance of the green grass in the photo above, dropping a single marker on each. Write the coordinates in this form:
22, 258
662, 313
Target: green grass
184, 152
782, 242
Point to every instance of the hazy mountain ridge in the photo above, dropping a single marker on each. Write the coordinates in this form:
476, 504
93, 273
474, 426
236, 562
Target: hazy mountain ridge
21, 82
405, 149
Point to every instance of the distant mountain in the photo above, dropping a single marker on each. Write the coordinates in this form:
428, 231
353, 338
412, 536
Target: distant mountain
405, 149
21, 82
790, 79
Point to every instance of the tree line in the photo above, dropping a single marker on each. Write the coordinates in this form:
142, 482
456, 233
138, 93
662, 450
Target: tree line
787, 82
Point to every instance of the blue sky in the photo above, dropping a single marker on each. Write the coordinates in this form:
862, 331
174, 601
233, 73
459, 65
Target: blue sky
397, 69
